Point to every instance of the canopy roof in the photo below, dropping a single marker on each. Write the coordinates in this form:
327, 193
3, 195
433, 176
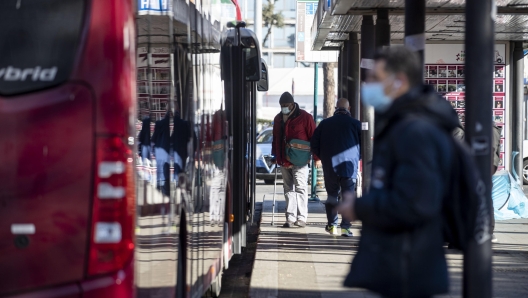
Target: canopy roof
445, 20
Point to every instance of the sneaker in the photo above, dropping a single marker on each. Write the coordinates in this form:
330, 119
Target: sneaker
494, 239
288, 224
300, 223
331, 230
346, 232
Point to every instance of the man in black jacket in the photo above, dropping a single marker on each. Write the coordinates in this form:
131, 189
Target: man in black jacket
401, 250
161, 142
144, 141
181, 135
337, 143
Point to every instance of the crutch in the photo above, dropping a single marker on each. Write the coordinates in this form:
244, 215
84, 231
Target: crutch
274, 191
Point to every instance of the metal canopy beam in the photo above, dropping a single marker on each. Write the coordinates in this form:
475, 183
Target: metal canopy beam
517, 106
428, 11
415, 28
368, 47
480, 49
353, 78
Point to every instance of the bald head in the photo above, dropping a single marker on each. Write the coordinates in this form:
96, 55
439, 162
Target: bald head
342, 103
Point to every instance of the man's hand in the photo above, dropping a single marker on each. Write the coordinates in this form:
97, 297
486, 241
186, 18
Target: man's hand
346, 208
318, 164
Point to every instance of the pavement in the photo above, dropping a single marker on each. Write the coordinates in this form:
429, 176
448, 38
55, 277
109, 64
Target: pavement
308, 262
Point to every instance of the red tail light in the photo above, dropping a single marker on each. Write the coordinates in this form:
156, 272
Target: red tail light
112, 237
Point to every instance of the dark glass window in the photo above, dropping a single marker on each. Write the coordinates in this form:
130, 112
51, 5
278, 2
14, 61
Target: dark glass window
38, 43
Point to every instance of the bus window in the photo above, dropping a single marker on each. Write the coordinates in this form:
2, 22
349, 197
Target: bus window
39, 43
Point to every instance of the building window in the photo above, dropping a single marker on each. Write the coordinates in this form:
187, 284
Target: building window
265, 56
284, 37
283, 60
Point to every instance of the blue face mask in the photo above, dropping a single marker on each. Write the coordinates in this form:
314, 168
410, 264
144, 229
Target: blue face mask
285, 110
372, 94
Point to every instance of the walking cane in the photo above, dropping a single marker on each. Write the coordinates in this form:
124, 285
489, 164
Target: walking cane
274, 191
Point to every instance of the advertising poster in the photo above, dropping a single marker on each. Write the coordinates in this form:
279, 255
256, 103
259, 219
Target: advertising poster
444, 72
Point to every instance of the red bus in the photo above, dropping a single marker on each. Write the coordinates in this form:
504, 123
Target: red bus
81, 214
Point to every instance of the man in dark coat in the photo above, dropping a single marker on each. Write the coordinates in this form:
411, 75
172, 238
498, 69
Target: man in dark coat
337, 143
161, 142
144, 141
292, 123
401, 250
181, 135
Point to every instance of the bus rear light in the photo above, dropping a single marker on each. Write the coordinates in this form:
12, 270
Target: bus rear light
107, 191
108, 168
112, 243
107, 232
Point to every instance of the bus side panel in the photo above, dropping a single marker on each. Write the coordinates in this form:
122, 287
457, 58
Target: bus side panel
108, 65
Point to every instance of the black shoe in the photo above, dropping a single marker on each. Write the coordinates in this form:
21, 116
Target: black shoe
300, 223
288, 224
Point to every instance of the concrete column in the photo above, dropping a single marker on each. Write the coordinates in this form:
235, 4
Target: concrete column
353, 80
257, 17
258, 32
415, 27
368, 46
516, 109
480, 58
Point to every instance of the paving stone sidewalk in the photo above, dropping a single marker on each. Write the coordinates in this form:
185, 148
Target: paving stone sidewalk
308, 262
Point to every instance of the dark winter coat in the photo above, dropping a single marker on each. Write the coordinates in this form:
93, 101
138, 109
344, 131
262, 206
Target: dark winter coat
300, 125
181, 134
144, 134
337, 143
161, 135
401, 248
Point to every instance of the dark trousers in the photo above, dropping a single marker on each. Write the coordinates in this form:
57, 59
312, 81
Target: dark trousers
335, 186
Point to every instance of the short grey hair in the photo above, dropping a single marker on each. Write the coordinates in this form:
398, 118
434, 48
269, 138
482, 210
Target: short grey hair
399, 59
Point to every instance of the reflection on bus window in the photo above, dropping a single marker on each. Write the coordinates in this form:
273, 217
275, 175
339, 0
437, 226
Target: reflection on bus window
161, 142
180, 138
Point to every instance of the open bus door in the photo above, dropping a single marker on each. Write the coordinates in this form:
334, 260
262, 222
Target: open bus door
241, 51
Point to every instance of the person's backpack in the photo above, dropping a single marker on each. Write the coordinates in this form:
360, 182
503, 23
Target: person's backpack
465, 208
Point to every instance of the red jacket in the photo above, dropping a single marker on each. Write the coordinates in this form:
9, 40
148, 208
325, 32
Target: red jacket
300, 125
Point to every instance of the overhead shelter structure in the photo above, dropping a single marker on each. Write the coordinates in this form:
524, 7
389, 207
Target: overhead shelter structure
472, 54
338, 21
445, 23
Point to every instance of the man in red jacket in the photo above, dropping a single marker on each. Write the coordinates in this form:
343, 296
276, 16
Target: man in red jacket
293, 123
